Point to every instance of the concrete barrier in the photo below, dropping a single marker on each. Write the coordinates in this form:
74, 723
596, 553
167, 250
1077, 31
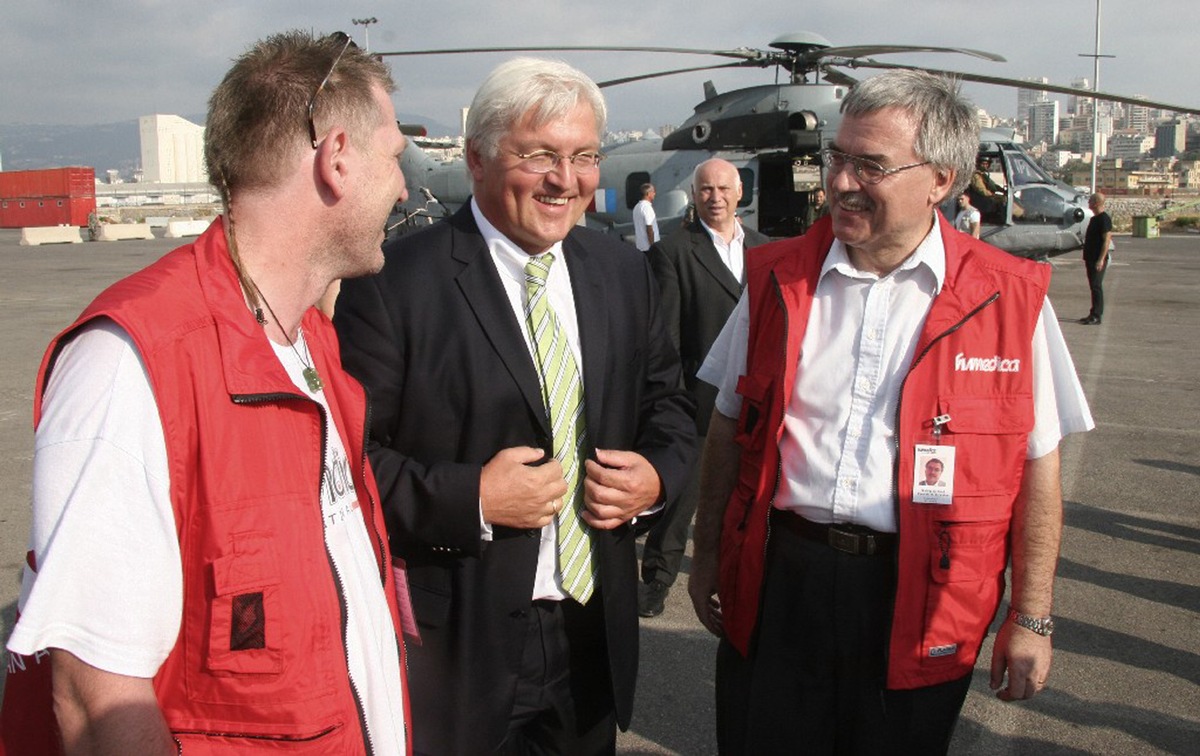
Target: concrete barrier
179, 228
123, 231
36, 235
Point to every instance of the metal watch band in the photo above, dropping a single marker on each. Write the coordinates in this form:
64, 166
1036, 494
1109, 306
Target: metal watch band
1041, 625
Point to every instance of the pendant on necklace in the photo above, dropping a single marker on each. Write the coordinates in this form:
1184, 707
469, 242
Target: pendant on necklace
312, 379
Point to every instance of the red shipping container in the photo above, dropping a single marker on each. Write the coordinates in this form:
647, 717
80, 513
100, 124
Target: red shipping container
50, 197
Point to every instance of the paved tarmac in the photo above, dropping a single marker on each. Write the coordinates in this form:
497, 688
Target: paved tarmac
1126, 676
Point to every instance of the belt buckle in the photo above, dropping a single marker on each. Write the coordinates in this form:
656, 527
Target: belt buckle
847, 541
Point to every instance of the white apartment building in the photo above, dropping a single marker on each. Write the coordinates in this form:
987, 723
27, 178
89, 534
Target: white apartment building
1129, 146
172, 150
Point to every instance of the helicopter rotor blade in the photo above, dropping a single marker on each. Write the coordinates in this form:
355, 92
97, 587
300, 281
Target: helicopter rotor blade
863, 51
742, 53
642, 77
837, 78
1006, 82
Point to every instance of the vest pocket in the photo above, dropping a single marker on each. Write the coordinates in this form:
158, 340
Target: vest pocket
331, 739
245, 618
991, 435
966, 570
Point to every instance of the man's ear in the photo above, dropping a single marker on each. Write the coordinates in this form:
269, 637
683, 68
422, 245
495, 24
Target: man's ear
474, 161
943, 181
331, 163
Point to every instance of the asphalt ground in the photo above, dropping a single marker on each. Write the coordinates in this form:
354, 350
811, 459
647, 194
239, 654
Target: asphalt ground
1126, 677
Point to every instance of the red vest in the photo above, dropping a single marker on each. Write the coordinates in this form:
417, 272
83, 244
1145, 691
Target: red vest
973, 362
245, 452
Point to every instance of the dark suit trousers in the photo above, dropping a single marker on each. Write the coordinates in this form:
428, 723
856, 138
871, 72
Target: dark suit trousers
563, 702
665, 542
1096, 284
814, 681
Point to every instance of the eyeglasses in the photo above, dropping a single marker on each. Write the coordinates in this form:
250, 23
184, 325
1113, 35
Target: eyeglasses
312, 101
868, 171
544, 161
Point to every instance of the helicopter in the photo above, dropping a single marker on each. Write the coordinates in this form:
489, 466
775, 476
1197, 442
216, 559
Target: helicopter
773, 134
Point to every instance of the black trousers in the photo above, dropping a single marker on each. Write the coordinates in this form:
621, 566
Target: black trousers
563, 703
814, 680
662, 554
1096, 284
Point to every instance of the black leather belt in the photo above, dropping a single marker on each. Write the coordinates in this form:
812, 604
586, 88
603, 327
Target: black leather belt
843, 536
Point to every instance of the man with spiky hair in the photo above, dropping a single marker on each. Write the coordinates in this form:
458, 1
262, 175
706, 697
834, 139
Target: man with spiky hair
208, 568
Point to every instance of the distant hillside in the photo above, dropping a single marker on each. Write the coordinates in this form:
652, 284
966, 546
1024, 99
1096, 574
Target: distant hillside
102, 146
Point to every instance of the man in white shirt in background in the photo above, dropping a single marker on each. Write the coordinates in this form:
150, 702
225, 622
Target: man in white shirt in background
968, 218
645, 223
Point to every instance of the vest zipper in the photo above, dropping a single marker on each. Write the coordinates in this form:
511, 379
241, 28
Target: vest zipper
896, 468
382, 540
341, 593
337, 576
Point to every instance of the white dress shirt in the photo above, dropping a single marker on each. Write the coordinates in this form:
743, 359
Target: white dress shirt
510, 261
733, 252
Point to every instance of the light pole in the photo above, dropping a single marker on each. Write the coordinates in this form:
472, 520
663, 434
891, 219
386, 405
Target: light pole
365, 23
1096, 56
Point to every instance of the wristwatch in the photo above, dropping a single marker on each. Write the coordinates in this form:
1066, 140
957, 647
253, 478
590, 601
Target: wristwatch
1043, 626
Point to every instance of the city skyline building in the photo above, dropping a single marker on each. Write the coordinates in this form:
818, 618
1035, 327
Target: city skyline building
1043, 122
1027, 97
172, 149
1129, 145
1074, 101
1170, 139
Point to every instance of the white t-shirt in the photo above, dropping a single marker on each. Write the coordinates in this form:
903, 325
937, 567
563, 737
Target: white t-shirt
109, 585
837, 449
643, 215
966, 218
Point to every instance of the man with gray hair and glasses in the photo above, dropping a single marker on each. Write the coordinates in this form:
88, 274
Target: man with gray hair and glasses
851, 601
525, 410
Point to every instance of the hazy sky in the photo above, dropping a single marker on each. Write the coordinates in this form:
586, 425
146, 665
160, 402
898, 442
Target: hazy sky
101, 61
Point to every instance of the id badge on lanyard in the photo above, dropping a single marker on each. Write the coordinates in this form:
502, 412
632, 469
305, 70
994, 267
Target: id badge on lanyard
933, 470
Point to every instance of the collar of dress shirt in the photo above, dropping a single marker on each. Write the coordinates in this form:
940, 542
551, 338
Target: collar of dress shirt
931, 253
510, 258
738, 233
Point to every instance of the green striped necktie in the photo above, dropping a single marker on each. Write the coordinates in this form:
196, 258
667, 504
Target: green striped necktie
562, 390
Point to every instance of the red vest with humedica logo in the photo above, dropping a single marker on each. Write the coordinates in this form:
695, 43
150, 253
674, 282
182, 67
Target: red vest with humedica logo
260, 662
973, 362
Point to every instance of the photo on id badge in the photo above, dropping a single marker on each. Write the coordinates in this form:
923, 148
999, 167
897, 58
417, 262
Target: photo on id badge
933, 475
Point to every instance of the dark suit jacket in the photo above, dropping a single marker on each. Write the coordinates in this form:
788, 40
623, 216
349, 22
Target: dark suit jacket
698, 294
452, 382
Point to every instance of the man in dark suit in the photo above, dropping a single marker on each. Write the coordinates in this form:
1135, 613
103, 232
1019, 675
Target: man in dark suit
509, 489
699, 272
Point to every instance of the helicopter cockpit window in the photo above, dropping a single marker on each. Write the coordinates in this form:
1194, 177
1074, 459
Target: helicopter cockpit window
747, 177
633, 187
1040, 204
1025, 171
